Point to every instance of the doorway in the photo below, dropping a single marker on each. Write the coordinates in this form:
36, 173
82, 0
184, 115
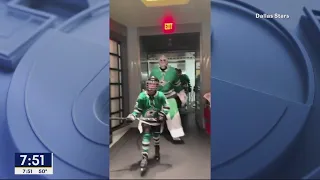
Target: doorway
182, 51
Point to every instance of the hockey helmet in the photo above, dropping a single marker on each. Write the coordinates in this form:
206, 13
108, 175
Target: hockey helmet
152, 84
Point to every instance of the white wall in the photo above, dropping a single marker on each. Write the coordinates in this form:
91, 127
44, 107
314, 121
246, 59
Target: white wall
134, 66
205, 63
180, 28
134, 70
121, 35
190, 71
205, 59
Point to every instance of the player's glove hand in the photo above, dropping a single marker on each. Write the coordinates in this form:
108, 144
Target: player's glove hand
130, 118
162, 117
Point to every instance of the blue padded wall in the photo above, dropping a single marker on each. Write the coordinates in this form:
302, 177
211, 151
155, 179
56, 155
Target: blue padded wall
310, 29
55, 87
264, 95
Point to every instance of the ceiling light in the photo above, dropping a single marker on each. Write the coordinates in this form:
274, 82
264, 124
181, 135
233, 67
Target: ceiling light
159, 3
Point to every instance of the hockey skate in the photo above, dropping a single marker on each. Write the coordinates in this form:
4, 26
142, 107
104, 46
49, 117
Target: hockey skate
157, 153
143, 165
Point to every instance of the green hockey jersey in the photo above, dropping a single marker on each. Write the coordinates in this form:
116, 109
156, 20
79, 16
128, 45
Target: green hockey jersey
169, 81
150, 107
185, 82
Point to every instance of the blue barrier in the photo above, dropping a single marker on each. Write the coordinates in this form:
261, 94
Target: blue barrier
250, 131
87, 24
310, 26
74, 125
315, 174
21, 27
42, 99
262, 83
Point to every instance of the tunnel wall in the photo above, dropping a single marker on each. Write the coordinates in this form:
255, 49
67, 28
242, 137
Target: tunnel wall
118, 32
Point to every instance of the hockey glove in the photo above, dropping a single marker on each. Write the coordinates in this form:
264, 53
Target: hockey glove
162, 117
130, 118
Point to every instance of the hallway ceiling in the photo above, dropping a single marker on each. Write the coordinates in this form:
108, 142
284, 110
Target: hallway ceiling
135, 13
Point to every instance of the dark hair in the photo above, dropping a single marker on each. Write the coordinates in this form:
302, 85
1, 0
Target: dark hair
178, 70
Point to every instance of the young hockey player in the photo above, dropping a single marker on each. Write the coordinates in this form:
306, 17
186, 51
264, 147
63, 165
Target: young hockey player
150, 104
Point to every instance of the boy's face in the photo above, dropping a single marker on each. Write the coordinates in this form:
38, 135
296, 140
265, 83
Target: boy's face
152, 88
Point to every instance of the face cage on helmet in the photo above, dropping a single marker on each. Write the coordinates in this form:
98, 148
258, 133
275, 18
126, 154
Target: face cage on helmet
152, 85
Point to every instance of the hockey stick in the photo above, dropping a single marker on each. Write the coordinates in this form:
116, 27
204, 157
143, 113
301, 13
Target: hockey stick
149, 121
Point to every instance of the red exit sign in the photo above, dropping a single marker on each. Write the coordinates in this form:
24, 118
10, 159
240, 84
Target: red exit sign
168, 25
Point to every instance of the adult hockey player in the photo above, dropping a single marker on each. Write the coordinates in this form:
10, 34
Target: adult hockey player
171, 87
150, 104
185, 81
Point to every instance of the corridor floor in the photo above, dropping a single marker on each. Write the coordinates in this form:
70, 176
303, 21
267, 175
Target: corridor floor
183, 161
